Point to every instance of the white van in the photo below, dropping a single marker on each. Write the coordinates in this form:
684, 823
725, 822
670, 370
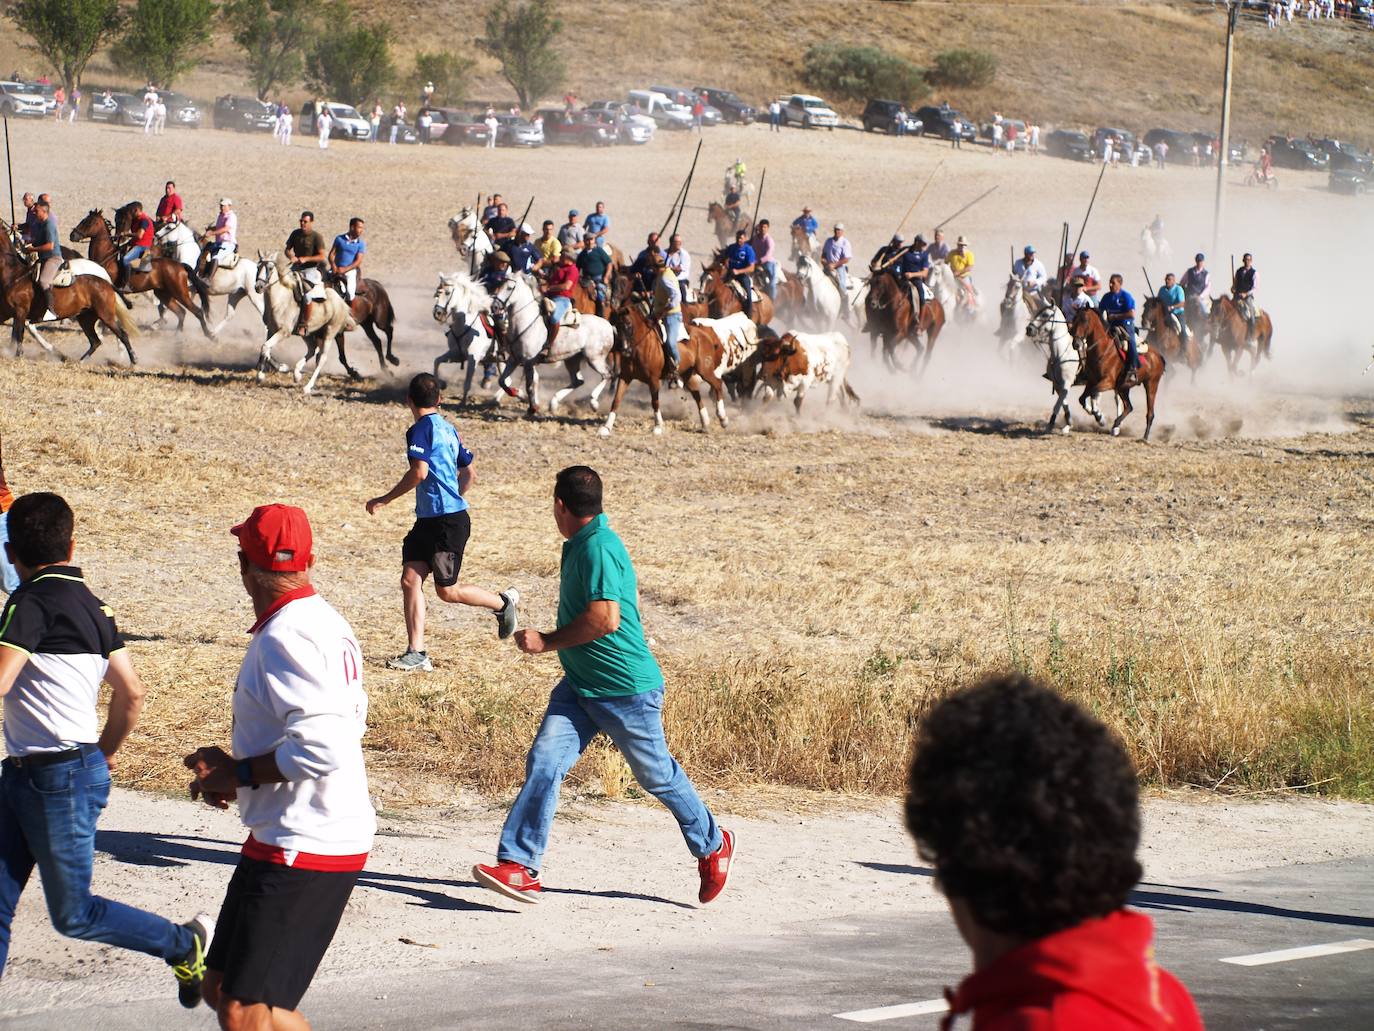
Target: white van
662, 110
345, 121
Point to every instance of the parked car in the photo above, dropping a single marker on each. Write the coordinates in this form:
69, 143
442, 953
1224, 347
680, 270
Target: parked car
461, 127
181, 110
883, 114
244, 114
345, 123
946, 123
1070, 144
809, 112
1298, 154
1179, 143
119, 109
515, 131
48, 92
663, 111
584, 128
1346, 156
18, 100
732, 108
633, 126
1348, 180
710, 114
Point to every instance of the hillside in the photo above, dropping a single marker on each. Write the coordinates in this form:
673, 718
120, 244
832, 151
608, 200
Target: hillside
1062, 62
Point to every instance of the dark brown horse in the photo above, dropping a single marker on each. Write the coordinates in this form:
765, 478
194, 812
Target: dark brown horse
167, 279
1164, 337
1229, 330
725, 224
638, 355
722, 300
1104, 368
891, 317
371, 310
89, 301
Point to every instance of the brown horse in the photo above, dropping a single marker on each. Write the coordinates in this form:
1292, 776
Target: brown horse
1104, 368
639, 355
789, 300
1164, 337
167, 279
371, 310
89, 301
725, 224
722, 300
1230, 331
891, 317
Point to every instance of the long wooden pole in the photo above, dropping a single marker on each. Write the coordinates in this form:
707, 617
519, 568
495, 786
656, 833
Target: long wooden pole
686, 187
1087, 214
909, 210
1219, 209
9, 168
970, 204
758, 198
476, 228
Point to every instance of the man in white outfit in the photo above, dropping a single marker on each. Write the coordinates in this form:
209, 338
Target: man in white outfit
323, 123
297, 774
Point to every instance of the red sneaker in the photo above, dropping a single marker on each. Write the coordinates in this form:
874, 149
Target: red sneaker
512, 880
715, 868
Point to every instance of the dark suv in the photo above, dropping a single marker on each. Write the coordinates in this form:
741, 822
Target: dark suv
946, 123
1298, 154
1070, 144
244, 114
883, 115
1346, 156
731, 107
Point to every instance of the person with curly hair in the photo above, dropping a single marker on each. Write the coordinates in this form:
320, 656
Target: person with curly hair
1027, 807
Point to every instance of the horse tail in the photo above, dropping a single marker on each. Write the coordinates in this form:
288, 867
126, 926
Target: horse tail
124, 318
849, 392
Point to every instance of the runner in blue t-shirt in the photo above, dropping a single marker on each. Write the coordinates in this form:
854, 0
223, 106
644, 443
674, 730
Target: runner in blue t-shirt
440, 471
346, 258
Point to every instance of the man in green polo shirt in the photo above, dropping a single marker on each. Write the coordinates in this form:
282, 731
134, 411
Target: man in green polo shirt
611, 683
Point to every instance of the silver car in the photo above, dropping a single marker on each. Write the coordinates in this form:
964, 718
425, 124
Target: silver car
20, 101
514, 131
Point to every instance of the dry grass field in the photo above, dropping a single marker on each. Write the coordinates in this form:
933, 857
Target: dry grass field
811, 585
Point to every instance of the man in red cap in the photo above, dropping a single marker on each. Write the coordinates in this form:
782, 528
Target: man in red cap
296, 770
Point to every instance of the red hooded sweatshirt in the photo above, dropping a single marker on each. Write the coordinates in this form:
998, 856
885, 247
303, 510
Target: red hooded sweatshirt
1098, 976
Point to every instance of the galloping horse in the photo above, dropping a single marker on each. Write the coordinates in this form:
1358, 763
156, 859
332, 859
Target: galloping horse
469, 236
90, 299
639, 355
822, 303
167, 279
1104, 368
463, 304
371, 310
329, 319
235, 281
945, 288
1164, 337
725, 224
721, 298
803, 243
1049, 331
892, 317
1229, 330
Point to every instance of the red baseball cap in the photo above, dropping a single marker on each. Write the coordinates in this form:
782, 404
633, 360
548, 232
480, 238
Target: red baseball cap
276, 538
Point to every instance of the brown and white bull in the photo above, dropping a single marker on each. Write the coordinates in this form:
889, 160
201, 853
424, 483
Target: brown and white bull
794, 363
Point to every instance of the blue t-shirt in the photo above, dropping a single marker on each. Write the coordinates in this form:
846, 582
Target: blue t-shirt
348, 249
741, 256
915, 261
1118, 303
807, 222
523, 256
1172, 296
434, 441
595, 223
46, 232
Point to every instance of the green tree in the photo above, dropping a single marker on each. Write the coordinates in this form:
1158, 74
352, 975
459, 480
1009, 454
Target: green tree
522, 38
967, 69
858, 73
161, 37
353, 65
67, 32
273, 35
446, 70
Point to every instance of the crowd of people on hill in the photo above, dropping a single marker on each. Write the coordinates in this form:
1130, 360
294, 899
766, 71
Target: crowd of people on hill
1278, 12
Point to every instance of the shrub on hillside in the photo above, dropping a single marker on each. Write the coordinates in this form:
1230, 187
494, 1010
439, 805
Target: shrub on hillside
858, 73
967, 69
351, 65
448, 72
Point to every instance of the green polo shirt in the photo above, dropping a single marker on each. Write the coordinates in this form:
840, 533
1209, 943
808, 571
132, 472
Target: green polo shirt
596, 567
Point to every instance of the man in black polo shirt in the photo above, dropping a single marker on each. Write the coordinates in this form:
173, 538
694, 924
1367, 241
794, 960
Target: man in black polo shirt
58, 642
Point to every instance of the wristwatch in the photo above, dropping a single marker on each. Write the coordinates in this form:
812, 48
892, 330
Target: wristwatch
243, 771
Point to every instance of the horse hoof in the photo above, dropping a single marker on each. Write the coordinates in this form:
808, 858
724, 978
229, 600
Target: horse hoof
262, 376
1066, 430
393, 359
1116, 431
658, 431
605, 431
511, 392
283, 367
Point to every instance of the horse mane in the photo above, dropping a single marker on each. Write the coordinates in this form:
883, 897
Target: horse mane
474, 296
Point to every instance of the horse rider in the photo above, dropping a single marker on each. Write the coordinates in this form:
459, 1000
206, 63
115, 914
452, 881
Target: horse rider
667, 307
501, 228
766, 256
1243, 293
141, 231
740, 262
734, 177
1157, 230
1171, 298
1092, 279
45, 245
548, 247
807, 221
1197, 284
679, 262
733, 202
223, 235
937, 248
1118, 309
169, 205
558, 288
305, 248
960, 262
595, 266
1078, 297
524, 256
1030, 270
346, 259
836, 255
570, 233
598, 223
643, 267
886, 256
497, 272
30, 218
913, 270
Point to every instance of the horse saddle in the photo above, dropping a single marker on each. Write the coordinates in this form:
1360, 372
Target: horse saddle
228, 259
69, 270
737, 284
571, 319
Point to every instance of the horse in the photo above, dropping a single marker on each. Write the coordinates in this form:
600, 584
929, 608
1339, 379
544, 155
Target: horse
469, 237
945, 288
234, 281
329, 319
1153, 246
639, 356
371, 309
1163, 336
90, 299
1229, 330
1009, 329
1104, 369
1199, 318
822, 301
518, 317
804, 244
726, 224
464, 305
1049, 331
168, 280
722, 299
890, 315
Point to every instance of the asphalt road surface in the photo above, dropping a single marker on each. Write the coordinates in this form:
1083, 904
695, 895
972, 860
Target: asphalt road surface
885, 972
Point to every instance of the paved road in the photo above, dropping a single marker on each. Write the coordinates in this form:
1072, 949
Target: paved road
807, 976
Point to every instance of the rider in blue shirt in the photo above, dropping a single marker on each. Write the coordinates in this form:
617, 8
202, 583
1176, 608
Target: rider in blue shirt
740, 260
807, 221
523, 254
1118, 308
1171, 297
914, 270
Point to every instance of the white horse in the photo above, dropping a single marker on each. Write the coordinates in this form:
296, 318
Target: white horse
519, 320
1009, 331
281, 311
461, 304
235, 281
823, 303
1049, 331
469, 236
1152, 246
945, 288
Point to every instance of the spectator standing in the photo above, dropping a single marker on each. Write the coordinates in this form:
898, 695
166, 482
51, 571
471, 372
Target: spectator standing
493, 124
323, 123
423, 124
1161, 153
1011, 138
1034, 138
775, 116
374, 121
427, 95
398, 119
288, 122
698, 114
60, 97
997, 132
74, 105
149, 115
159, 116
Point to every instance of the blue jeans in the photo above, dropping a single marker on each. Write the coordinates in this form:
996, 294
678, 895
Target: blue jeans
9, 576
132, 256
47, 818
673, 332
561, 306
770, 270
1132, 355
635, 724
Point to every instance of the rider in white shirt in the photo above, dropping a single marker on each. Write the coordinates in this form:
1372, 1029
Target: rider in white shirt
1031, 271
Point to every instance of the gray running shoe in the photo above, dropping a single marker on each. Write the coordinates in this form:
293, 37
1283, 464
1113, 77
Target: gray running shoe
411, 660
506, 615
190, 970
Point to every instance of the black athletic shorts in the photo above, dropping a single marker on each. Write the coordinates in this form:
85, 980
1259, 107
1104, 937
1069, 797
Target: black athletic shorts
439, 542
274, 928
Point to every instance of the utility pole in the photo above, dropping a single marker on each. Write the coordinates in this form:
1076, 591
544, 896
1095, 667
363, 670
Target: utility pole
1219, 210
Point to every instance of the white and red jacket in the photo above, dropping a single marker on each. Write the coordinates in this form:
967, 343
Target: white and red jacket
300, 696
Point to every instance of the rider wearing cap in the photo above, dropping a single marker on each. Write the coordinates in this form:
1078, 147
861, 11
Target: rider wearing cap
223, 235
1092, 279
558, 288
497, 272
835, 258
1118, 309
1077, 298
1171, 297
595, 267
1030, 270
960, 262
914, 270
740, 261
667, 306
888, 254
524, 256
1243, 293
807, 221
570, 233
